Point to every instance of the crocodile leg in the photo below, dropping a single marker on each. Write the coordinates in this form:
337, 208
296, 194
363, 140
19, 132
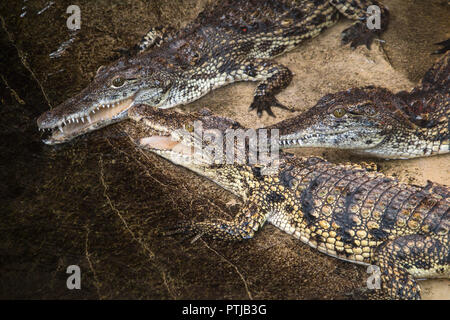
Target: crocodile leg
275, 77
243, 226
155, 37
359, 34
272, 78
405, 258
436, 78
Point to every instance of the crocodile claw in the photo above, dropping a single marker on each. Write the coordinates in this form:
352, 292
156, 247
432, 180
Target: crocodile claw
186, 230
264, 103
445, 47
358, 34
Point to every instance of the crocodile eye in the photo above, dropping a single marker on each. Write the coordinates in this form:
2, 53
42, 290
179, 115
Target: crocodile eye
339, 112
118, 82
189, 127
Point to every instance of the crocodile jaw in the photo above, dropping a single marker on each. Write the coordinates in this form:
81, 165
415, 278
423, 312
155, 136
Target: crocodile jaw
339, 139
65, 128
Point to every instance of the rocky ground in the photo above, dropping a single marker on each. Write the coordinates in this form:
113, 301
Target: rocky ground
100, 203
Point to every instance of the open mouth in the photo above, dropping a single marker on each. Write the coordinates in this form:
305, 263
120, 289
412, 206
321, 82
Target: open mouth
75, 124
164, 132
165, 145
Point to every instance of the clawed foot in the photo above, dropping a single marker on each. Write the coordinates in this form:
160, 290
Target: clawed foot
180, 228
445, 47
358, 34
187, 230
264, 103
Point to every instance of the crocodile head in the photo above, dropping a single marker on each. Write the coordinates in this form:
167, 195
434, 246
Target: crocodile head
173, 135
358, 119
106, 100
163, 132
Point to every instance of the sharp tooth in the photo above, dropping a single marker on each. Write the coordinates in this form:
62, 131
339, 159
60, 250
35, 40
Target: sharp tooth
77, 120
82, 119
60, 129
89, 118
93, 111
64, 122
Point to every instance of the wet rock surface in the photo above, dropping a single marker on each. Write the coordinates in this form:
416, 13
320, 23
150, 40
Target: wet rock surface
101, 203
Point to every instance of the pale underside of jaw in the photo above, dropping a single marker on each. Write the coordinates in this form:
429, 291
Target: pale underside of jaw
76, 124
165, 144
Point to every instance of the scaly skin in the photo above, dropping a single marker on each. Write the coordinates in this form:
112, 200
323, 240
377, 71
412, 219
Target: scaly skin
374, 121
342, 210
232, 41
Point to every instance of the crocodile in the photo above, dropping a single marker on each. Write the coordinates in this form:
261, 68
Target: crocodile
228, 42
344, 211
376, 122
